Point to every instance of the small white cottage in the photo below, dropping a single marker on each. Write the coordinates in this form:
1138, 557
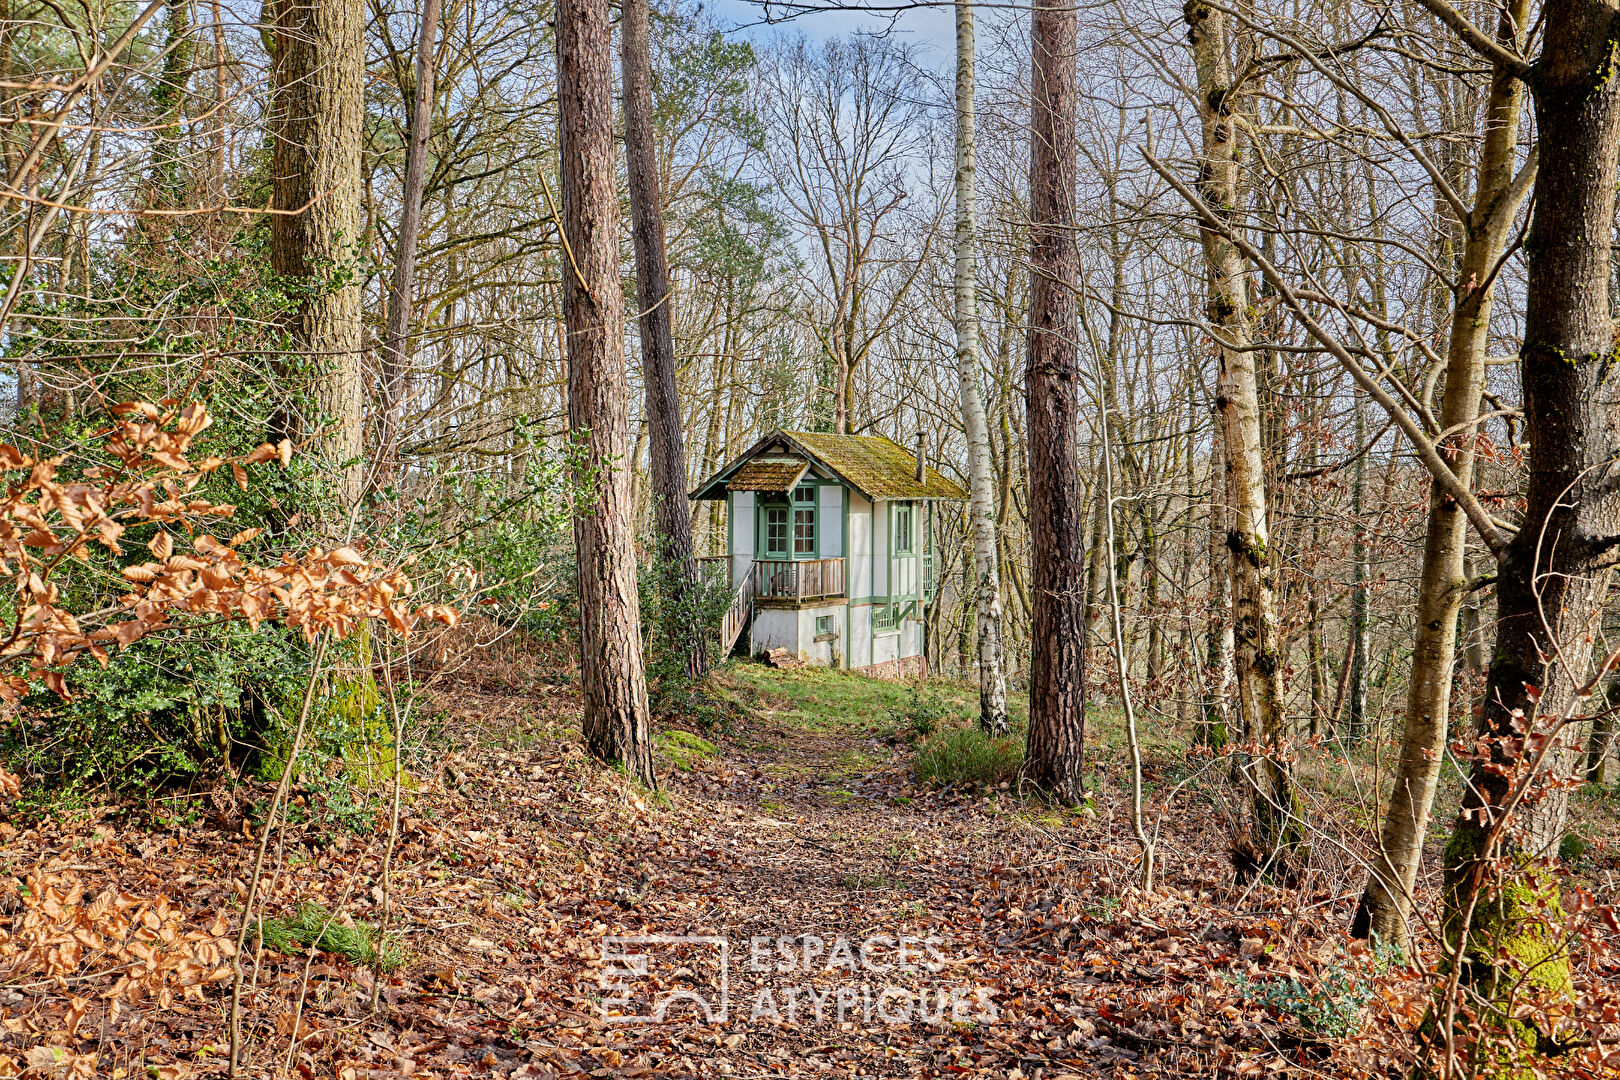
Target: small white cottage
830, 548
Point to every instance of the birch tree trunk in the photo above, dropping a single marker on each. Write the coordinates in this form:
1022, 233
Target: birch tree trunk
1055, 751
617, 726
1387, 903
396, 346
667, 445
1255, 632
316, 115
982, 505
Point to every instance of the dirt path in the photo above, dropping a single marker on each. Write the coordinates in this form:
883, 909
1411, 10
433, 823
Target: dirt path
846, 922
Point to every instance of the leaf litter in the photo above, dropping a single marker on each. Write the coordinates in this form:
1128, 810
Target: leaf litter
520, 862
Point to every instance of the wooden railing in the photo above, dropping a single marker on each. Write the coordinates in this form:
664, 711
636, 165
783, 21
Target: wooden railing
798, 579
889, 616
742, 606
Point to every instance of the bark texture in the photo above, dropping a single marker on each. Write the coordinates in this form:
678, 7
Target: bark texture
617, 726
1055, 753
1253, 570
316, 113
982, 504
666, 444
1554, 574
1386, 905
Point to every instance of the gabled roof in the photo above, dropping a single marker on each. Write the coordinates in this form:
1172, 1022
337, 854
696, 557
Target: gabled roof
769, 474
874, 465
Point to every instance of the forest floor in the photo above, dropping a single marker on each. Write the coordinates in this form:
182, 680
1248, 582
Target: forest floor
841, 920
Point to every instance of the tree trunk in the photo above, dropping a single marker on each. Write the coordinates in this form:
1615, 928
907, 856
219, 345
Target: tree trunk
396, 347
1387, 903
617, 726
317, 111
982, 505
1055, 752
1216, 727
667, 447
1255, 633
1355, 724
1554, 571
168, 96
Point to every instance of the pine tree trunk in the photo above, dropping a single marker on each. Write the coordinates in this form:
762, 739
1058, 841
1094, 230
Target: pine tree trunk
1553, 573
1255, 633
667, 446
1055, 752
617, 726
396, 351
1387, 903
982, 504
316, 115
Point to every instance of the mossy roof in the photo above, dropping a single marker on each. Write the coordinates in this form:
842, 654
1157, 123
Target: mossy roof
875, 465
768, 474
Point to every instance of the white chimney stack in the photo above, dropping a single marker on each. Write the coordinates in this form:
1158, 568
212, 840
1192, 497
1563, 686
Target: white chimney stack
922, 456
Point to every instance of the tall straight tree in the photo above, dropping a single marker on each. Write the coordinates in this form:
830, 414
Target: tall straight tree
397, 344
1054, 755
317, 108
1257, 650
982, 484
666, 445
618, 728
1499, 193
1552, 577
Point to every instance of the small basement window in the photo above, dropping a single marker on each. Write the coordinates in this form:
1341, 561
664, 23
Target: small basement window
823, 624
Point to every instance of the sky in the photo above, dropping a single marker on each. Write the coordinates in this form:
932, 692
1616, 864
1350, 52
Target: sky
931, 27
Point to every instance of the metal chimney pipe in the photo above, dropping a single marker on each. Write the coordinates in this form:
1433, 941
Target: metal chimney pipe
922, 456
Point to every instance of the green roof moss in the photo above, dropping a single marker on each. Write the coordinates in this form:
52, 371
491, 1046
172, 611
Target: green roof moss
875, 465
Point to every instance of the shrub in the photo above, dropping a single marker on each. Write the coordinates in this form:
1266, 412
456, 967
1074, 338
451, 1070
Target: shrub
673, 613
1330, 1005
966, 755
923, 715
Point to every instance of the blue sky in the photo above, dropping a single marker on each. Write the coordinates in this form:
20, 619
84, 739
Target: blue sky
933, 28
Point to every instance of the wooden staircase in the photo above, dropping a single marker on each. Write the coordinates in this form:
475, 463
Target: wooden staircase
737, 615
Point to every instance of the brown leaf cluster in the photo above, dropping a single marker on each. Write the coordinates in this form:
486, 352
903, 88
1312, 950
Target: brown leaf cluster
60, 938
47, 524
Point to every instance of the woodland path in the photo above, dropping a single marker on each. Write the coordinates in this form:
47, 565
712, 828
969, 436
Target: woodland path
519, 860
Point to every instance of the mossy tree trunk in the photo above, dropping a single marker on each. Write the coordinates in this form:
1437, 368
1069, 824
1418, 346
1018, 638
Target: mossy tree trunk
1552, 578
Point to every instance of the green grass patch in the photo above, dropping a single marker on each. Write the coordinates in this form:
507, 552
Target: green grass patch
312, 924
682, 748
966, 755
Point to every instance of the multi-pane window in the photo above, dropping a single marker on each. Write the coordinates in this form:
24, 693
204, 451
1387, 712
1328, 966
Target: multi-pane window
804, 522
776, 530
902, 529
804, 532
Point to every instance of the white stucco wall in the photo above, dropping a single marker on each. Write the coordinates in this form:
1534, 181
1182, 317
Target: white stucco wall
795, 630
832, 521
860, 546
742, 536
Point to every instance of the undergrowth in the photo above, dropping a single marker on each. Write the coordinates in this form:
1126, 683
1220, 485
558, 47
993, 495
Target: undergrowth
966, 755
312, 924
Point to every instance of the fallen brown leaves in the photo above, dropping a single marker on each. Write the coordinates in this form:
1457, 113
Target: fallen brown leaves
518, 858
